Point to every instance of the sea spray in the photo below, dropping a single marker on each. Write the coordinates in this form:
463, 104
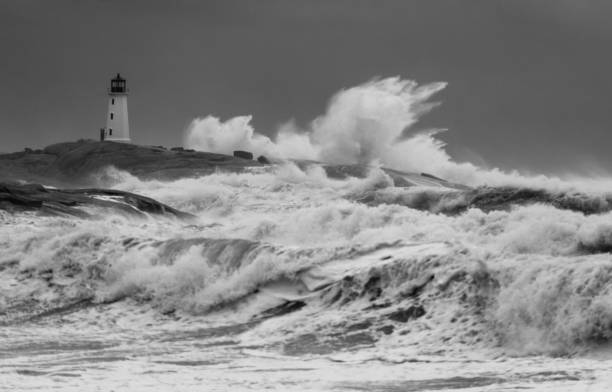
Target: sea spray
375, 121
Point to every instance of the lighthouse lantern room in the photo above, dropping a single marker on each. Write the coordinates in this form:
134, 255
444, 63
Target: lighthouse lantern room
117, 125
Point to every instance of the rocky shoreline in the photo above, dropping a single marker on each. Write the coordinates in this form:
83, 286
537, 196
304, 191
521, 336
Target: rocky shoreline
77, 163
67, 179
81, 203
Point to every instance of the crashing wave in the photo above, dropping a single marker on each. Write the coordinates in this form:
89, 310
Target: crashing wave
453, 201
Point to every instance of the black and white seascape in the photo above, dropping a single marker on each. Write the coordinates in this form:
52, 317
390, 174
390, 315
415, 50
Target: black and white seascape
346, 251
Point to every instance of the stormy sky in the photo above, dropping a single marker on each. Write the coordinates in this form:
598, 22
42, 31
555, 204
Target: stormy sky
530, 83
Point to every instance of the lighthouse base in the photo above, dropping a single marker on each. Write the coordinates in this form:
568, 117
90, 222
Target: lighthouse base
106, 137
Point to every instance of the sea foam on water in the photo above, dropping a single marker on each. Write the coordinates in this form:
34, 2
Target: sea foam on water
287, 261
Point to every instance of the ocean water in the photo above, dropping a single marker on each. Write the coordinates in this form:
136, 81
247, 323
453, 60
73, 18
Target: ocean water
289, 280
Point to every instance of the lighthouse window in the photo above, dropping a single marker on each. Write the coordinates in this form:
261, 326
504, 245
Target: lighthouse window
110, 131
112, 101
112, 115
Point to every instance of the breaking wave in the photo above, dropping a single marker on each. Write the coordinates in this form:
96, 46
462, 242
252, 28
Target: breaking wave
373, 123
530, 277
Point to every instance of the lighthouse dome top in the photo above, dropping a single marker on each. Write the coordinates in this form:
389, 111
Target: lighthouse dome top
118, 85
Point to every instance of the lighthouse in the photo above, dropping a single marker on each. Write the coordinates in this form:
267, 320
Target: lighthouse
117, 125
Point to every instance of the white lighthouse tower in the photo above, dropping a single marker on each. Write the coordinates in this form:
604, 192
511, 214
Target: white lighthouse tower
117, 125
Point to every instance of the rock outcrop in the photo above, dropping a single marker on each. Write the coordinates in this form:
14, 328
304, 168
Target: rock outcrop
73, 163
82, 203
263, 160
243, 155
